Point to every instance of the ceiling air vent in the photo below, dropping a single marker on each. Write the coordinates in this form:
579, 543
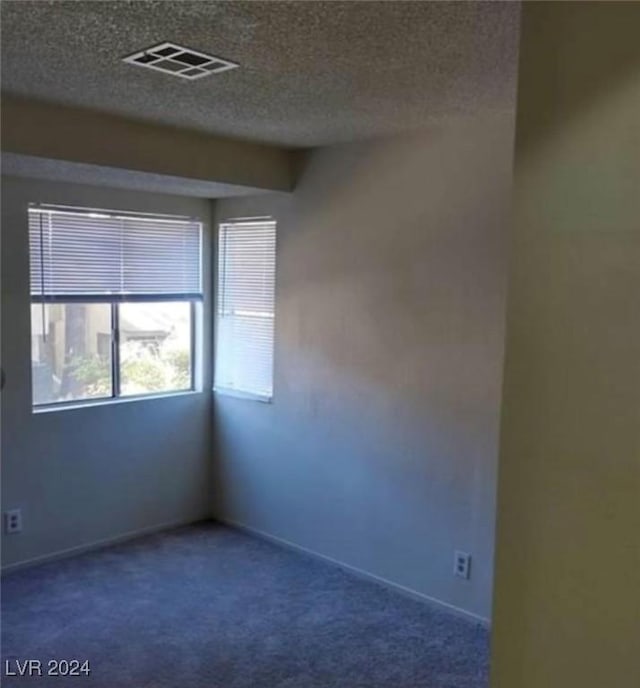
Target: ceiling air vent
176, 60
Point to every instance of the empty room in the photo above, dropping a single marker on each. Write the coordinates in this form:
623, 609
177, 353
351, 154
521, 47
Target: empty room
320, 344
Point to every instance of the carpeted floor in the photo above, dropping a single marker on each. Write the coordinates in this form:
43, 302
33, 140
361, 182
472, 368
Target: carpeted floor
206, 607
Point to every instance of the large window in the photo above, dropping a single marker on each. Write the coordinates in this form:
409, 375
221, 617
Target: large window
113, 303
245, 311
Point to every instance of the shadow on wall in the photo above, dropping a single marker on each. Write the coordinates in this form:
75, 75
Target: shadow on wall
389, 335
572, 46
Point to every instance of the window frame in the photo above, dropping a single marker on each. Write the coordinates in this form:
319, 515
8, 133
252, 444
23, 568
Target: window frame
222, 225
114, 301
116, 392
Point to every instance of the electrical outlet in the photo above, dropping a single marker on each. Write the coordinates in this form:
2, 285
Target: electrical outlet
13, 521
462, 564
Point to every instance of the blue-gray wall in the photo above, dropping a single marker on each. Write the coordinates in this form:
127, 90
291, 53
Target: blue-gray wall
97, 473
380, 447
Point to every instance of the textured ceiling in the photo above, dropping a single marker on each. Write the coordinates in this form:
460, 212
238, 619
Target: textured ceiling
311, 72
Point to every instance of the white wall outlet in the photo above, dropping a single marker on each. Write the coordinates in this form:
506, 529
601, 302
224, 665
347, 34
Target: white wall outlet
13, 521
462, 564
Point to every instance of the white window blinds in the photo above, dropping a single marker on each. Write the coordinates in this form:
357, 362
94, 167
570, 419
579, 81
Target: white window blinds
77, 252
246, 301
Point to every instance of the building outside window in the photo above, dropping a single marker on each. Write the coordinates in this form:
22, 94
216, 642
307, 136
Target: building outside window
114, 302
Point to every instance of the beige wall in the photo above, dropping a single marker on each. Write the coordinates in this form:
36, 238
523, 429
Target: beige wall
567, 600
55, 132
380, 447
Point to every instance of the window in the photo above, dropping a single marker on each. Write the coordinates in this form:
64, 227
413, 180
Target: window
245, 312
113, 303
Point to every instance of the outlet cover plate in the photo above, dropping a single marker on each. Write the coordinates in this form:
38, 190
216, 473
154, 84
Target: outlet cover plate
462, 564
12, 521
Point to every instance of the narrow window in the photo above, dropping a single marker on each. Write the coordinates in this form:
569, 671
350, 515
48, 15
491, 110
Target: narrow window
113, 303
245, 308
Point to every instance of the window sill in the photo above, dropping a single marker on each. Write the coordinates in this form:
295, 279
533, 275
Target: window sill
249, 396
90, 403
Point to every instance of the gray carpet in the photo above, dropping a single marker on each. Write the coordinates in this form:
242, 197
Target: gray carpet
207, 606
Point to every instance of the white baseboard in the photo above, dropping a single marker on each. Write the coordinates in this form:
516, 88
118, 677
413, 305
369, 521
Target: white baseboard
361, 573
98, 544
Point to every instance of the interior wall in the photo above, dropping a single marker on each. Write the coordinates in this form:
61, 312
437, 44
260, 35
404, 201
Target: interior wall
567, 608
380, 447
86, 137
94, 473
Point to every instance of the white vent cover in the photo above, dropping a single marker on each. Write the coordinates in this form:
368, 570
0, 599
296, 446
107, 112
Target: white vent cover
177, 60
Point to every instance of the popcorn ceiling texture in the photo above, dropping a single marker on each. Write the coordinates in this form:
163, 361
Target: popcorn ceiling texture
311, 73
